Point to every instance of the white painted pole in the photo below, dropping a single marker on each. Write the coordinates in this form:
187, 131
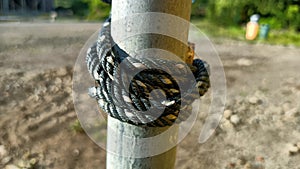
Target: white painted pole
118, 130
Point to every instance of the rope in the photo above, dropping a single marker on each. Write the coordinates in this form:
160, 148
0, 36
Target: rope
152, 97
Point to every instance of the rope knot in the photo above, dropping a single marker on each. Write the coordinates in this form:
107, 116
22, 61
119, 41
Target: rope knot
143, 91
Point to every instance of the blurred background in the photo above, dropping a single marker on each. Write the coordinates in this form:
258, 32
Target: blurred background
228, 18
40, 41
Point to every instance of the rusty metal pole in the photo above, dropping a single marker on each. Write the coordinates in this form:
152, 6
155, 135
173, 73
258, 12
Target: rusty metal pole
116, 129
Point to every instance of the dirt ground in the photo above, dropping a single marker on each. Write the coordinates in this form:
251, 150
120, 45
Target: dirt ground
260, 128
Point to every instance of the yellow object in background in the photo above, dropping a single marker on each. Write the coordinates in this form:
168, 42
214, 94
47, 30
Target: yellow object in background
252, 30
252, 27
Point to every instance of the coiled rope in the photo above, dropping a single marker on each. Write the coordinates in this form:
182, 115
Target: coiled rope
136, 99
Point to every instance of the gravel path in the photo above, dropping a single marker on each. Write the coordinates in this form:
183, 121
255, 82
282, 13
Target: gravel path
259, 130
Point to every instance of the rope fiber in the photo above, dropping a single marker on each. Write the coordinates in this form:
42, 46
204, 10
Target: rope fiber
143, 91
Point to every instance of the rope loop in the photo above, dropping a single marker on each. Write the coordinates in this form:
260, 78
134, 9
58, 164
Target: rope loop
143, 91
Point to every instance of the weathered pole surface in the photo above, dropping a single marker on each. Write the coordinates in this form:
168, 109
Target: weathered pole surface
116, 129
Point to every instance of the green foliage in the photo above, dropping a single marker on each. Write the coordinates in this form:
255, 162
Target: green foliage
86, 9
272, 21
214, 30
293, 16
284, 37
80, 8
63, 3
278, 14
97, 10
276, 37
199, 8
281, 14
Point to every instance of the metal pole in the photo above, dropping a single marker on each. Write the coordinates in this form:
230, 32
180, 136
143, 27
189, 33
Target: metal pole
43, 6
5, 6
116, 129
22, 7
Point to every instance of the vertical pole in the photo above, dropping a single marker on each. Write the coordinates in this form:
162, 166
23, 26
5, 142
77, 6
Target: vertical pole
36, 6
5, 6
22, 7
116, 129
43, 6
25, 6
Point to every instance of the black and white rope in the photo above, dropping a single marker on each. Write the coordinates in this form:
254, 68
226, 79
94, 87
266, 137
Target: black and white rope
134, 99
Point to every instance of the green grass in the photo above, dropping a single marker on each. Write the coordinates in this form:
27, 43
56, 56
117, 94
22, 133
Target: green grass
76, 127
276, 37
284, 37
